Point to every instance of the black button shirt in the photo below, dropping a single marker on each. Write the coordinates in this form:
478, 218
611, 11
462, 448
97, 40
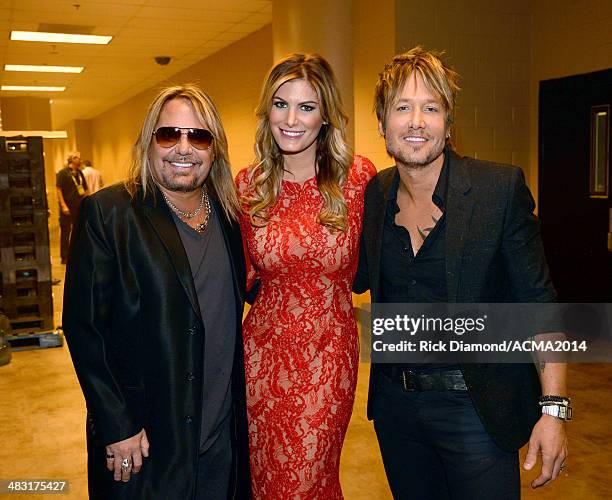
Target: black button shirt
414, 278
419, 278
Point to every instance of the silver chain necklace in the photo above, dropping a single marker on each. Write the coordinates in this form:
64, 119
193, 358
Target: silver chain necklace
188, 215
204, 202
201, 227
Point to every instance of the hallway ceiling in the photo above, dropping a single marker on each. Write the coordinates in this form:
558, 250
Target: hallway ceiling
186, 30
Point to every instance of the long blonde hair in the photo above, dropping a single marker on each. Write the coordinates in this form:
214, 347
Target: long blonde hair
219, 179
333, 155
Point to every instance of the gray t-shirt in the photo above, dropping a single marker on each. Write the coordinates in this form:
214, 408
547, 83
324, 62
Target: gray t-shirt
212, 274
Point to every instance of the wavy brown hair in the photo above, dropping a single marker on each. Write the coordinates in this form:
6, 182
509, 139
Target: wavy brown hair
333, 155
219, 179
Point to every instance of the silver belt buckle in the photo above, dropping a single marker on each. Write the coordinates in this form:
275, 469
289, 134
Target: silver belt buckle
409, 383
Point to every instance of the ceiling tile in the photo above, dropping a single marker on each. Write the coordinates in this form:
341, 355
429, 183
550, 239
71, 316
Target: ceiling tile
263, 18
181, 14
142, 29
86, 9
227, 37
244, 28
211, 5
167, 31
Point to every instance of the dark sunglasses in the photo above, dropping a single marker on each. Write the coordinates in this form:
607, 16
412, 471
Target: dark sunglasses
168, 137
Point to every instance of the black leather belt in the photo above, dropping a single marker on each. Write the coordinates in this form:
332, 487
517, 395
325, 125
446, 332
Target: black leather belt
443, 380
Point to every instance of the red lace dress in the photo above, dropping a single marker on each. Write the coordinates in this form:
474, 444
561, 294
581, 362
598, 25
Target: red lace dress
301, 345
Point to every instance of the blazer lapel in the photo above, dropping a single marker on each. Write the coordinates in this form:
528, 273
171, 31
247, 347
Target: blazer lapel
459, 205
158, 214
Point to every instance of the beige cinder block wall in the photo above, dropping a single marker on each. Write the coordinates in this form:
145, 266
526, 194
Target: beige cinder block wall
25, 113
568, 38
83, 139
502, 51
487, 42
233, 78
56, 153
373, 46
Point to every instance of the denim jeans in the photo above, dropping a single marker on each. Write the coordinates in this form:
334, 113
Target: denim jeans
434, 447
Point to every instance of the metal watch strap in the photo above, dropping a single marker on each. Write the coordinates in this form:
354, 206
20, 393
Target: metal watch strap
558, 410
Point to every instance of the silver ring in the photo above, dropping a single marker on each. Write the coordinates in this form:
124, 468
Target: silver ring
125, 464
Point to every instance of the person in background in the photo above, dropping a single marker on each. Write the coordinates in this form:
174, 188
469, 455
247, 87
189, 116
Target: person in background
302, 212
93, 177
71, 187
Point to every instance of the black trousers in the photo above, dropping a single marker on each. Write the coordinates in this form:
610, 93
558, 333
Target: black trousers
215, 466
434, 447
65, 224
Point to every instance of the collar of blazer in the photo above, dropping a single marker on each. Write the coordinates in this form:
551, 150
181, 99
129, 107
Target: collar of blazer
459, 207
160, 218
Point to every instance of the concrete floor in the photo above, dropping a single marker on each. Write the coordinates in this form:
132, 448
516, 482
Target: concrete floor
42, 419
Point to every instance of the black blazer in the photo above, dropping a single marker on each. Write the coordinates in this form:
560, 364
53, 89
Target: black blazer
133, 325
494, 253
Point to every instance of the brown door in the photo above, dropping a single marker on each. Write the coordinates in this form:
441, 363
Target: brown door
575, 186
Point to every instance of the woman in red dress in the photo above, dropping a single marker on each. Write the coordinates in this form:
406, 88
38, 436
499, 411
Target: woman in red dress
302, 214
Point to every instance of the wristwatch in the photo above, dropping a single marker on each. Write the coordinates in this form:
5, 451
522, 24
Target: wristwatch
556, 406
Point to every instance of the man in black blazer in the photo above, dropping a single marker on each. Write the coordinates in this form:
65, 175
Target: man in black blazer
152, 313
442, 228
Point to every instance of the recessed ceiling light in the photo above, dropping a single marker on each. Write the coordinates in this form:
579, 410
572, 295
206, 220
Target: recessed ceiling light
43, 69
39, 36
32, 88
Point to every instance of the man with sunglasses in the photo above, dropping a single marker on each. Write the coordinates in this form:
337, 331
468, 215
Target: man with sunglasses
152, 314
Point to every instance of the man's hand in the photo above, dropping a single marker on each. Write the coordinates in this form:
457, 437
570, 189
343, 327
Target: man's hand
133, 449
548, 436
